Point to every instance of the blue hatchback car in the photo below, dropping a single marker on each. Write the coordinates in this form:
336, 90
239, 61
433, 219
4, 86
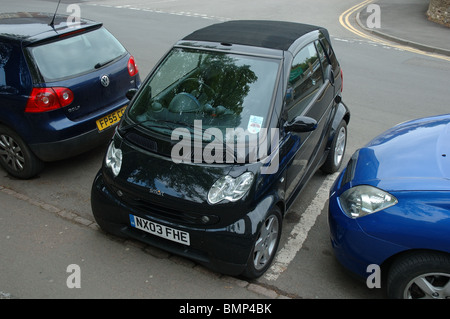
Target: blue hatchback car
391, 207
62, 88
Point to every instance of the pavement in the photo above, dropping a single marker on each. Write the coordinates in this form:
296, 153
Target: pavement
43, 257
405, 22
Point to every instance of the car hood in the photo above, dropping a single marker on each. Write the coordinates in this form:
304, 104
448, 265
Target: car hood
158, 177
148, 172
410, 156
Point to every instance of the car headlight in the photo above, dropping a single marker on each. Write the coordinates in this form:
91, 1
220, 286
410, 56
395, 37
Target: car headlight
113, 159
230, 188
363, 200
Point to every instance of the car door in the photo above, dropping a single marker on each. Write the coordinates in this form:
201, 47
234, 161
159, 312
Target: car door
307, 95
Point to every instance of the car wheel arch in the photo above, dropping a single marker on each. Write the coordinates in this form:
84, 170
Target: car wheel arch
342, 113
32, 165
412, 264
387, 263
282, 207
252, 269
17, 126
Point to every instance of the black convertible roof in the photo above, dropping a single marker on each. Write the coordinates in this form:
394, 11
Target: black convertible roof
260, 33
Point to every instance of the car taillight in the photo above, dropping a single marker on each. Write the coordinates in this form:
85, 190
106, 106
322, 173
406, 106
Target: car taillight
47, 99
132, 67
342, 81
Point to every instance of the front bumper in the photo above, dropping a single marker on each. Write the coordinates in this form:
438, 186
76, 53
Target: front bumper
226, 249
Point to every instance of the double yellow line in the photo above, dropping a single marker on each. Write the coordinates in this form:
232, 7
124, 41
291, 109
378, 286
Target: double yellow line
344, 20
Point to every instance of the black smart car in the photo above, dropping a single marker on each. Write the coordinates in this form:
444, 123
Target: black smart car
220, 139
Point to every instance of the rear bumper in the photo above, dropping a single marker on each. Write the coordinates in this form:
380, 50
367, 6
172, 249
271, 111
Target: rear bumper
62, 149
54, 137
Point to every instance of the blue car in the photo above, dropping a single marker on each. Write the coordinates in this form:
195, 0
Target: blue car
62, 88
390, 208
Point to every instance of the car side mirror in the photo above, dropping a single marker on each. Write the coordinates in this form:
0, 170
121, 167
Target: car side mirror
131, 93
301, 124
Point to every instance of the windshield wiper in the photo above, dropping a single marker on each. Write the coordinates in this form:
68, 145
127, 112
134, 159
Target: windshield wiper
129, 126
102, 64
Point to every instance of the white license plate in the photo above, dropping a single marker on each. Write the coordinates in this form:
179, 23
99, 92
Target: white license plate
169, 233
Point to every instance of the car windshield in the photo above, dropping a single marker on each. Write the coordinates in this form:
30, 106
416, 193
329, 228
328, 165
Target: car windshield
76, 55
193, 88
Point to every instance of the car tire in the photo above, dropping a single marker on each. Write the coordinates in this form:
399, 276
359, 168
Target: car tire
265, 246
337, 150
419, 275
16, 157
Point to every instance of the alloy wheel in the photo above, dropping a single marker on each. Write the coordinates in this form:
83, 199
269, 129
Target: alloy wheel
429, 286
266, 243
11, 153
340, 146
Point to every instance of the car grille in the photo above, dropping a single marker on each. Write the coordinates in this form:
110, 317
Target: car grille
142, 141
163, 212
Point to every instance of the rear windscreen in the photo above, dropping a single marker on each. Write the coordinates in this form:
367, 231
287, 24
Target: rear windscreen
76, 55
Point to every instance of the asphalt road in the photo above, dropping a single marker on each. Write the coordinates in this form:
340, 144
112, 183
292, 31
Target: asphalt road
46, 222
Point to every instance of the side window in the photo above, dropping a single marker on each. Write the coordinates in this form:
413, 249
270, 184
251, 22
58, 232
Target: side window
13, 71
5, 54
331, 59
323, 58
330, 52
304, 80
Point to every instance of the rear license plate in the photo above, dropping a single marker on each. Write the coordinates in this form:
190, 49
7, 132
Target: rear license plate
153, 228
110, 119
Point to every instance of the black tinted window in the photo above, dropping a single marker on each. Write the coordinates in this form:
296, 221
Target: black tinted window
304, 80
14, 78
5, 55
323, 58
76, 55
330, 52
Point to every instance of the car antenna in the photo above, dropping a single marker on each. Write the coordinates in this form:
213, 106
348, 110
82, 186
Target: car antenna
52, 23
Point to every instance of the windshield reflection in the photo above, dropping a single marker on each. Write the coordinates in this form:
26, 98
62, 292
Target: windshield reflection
220, 90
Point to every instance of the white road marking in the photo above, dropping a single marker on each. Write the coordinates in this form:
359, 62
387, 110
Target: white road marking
178, 13
5, 295
300, 231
